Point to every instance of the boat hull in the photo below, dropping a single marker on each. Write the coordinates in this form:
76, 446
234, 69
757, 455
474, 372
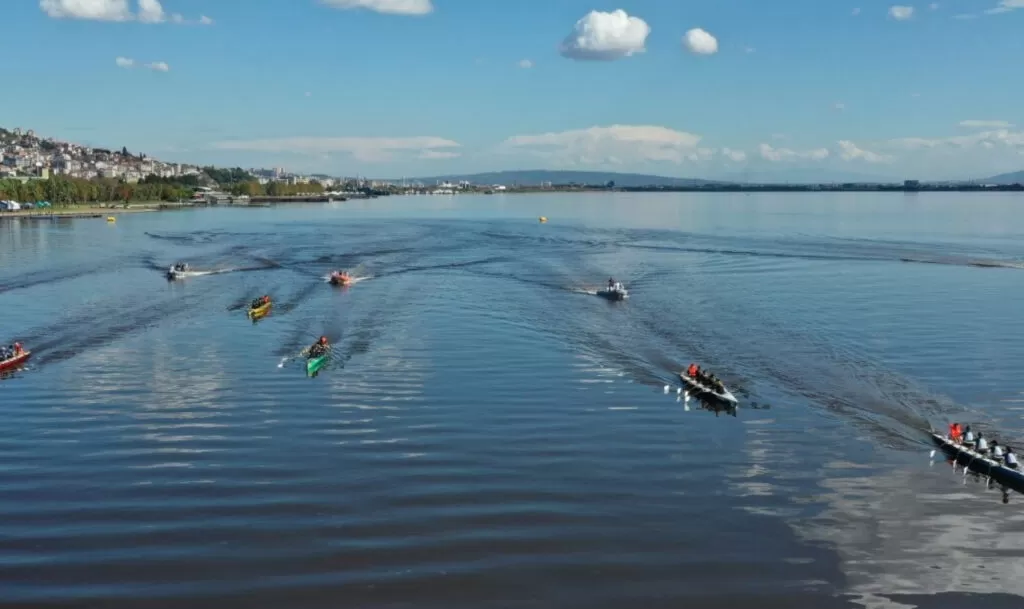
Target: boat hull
979, 464
314, 364
613, 294
15, 362
706, 392
260, 312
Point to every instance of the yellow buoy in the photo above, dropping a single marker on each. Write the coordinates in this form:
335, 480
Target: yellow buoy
111, 219
543, 219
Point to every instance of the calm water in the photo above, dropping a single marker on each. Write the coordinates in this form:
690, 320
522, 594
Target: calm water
489, 434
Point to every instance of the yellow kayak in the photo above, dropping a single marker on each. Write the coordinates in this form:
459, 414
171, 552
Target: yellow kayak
260, 311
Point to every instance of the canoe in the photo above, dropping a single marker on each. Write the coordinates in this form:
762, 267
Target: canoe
14, 362
314, 364
260, 311
980, 464
704, 391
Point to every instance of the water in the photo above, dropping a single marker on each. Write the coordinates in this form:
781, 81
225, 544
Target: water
488, 434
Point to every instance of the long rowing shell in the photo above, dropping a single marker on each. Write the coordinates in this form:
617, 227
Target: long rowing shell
980, 464
702, 390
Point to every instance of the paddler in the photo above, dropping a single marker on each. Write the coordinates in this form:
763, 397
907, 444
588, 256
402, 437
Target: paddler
319, 348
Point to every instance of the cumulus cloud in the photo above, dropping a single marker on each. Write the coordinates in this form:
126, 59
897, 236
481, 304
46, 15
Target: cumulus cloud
151, 11
995, 138
699, 42
124, 62
737, 156
848, 151
369, 149
525, 64
389, 7
158, 66
782, 155
94, 10
612, 145
606, 36
439, 155
901, 13
976, 124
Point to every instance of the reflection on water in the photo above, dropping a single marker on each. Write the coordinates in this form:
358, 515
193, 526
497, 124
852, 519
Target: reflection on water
487, 422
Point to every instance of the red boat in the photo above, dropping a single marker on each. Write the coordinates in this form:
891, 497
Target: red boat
14, 362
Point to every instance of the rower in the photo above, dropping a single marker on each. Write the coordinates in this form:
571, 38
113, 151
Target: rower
955, 432
982, 445
319, 347
997, 450
968, 436
1010, 458
692, 370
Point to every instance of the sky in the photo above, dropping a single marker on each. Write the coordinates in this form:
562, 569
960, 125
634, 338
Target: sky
405, 88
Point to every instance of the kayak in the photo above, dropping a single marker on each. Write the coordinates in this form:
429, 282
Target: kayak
618, 292
980, 464
14, 362
705, 391
314, 364
260, 312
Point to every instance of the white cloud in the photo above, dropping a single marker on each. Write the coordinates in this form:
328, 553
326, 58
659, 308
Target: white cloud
159, 66
94, 10
124, 62
369, 149
995, 138
965, 16
151, 11
525, 64
976, 124
389, 7
438, 155
606, 36
699, 42
749, 49
781, 155
737, 156
612, 145
855, 12
848, 151
1005, 6
901, 13
204, 20
934, 6
309, 94
839, 106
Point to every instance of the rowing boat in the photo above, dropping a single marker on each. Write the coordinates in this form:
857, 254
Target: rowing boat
14, 362
980, 464
314, 364
260, 311
705, 391
616, 292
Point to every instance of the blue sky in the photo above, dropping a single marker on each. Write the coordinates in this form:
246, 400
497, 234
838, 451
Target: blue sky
394, 88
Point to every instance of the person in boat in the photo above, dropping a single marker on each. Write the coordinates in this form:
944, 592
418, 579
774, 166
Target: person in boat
982, 444
1010, 458
719, 386
256, 303
956, 432
611, 284
692, 370
18, 350
319, 348
968, 435
6, 353
996, 450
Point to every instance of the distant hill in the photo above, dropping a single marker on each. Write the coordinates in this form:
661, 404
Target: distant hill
1017, 177
538, 177
808, 176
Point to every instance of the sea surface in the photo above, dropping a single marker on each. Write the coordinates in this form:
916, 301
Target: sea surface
491, 434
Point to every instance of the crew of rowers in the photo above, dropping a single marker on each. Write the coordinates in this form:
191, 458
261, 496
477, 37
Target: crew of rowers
259, 302
10, 352
980, 444
705, 378
180, 266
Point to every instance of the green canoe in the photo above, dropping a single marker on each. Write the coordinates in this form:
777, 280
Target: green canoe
314, 364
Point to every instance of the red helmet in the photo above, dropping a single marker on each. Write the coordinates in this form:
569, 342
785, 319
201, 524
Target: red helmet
323, 340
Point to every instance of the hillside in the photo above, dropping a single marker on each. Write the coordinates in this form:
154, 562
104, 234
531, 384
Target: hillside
1016, 177
538, 177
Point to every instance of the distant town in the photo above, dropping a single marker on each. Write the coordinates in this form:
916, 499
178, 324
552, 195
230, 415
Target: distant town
38, 169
